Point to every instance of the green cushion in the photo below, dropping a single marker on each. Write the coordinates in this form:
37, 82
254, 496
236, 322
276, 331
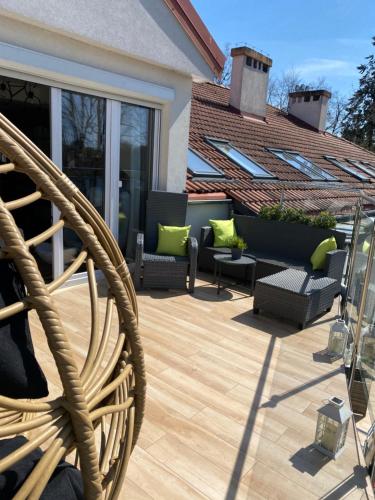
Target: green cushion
318, 258
173, 240
224, 231
365, 247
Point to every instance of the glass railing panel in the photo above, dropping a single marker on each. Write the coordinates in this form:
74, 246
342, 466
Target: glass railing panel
366, 346
360, 262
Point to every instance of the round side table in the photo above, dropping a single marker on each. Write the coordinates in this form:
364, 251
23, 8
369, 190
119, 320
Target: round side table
226, 260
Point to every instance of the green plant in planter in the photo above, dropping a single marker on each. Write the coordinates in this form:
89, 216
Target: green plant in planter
294, 215
237, 245
271, 212
324, 220
237, 242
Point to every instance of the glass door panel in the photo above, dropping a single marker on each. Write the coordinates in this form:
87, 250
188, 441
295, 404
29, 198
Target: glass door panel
83, 155
27, 105
136, 157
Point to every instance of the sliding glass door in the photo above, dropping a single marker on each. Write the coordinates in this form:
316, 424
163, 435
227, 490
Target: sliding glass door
136, 159
106, 147
83, 155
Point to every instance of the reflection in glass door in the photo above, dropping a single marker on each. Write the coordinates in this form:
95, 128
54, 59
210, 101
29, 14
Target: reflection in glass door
27, 105
107, 149
83, 155
136, 156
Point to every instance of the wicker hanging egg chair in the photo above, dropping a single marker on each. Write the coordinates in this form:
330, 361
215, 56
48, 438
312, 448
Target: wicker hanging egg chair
96, 419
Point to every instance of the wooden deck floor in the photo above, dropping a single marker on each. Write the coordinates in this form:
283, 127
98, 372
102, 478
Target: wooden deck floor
231, 401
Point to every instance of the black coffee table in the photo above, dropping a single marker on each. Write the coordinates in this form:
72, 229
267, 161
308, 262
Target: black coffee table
247, 263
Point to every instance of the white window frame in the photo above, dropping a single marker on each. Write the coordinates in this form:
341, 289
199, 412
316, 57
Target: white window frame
363, 177
218, 175
46, 69
305, 170
369, 170
56, 156
16, 62
268, 175
112, 164
156, 149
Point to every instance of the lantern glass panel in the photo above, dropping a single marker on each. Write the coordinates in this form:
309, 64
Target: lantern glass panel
320, 429
332, 426
342, 437
329, 438
337, 342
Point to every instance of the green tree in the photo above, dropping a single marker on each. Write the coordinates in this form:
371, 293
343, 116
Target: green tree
359, 123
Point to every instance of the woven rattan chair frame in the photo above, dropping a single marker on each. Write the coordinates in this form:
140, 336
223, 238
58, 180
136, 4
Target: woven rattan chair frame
108, 396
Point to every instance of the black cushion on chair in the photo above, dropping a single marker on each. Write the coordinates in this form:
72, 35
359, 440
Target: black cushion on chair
64, 484
20, 373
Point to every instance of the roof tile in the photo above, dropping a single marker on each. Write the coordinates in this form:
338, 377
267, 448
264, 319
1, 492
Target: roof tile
211, 115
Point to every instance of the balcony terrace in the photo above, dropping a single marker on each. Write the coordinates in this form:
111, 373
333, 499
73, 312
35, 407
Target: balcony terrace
231, 399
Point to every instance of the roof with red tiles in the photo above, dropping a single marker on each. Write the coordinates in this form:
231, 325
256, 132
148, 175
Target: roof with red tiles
212, 116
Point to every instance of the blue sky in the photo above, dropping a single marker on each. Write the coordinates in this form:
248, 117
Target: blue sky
324, 38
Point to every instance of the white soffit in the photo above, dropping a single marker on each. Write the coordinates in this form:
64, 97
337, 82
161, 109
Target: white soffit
58, 70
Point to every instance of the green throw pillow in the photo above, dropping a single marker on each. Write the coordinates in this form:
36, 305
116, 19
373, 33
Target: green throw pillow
365, 247
173, 240
318, 258
224, 231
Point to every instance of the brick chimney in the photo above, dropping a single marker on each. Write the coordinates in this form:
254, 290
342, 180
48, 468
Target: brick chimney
249, 83
310, 106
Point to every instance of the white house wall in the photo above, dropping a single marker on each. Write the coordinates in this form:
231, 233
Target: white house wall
143, 29
141, 33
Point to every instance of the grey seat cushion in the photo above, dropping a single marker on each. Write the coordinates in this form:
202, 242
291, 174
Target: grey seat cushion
169, 259
270, 260
283, 262
295, 281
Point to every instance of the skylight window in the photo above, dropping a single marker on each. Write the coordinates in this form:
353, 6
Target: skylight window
304, 165
365, 167
200, 167
348, 169
240, 159
371, 165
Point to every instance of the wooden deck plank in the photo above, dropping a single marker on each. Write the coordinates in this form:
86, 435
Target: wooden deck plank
232, 399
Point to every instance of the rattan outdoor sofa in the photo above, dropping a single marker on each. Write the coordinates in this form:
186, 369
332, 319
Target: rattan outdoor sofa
277, 246
294, 295
152, 270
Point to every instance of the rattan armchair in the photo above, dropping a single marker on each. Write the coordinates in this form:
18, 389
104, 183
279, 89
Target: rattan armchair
164, 271
96, 419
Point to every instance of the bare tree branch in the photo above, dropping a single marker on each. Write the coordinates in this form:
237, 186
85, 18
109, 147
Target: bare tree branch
279, 89
336, 113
